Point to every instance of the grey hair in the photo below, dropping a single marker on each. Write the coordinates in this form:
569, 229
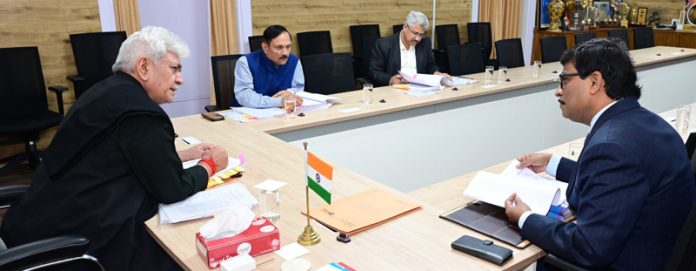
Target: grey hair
151, 42
416, 18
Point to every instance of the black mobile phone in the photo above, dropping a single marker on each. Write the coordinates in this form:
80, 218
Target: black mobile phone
212, 116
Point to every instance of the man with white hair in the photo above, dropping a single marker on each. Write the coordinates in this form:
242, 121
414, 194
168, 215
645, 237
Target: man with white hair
113, 161
409, 51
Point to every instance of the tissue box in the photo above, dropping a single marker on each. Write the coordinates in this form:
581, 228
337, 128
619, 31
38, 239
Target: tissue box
260, 238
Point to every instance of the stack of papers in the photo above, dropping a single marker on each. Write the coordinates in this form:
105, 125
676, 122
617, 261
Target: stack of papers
423, 84
538, 192
315, 101
207, 203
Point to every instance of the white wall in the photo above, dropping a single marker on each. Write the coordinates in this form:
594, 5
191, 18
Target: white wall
244, 24
106, 15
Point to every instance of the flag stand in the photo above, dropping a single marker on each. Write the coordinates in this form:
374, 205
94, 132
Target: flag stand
309, 236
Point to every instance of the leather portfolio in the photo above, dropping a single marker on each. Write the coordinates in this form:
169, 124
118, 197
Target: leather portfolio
489, 220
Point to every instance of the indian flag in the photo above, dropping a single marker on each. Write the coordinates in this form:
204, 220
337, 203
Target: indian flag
319, 176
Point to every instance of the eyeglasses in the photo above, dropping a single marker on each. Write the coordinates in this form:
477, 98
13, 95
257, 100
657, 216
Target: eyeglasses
563, 77
420, 35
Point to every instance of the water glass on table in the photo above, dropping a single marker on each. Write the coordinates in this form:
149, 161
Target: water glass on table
502, 74
488, 77
536, 68
367, 93
290, 106
683, 118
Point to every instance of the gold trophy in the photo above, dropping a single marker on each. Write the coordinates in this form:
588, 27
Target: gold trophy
634, 14
555, 11
624, 10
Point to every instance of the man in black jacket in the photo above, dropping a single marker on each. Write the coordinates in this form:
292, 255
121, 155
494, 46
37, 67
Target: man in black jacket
113, 161
409, 51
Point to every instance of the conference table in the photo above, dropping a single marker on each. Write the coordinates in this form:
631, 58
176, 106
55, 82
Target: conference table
522, 109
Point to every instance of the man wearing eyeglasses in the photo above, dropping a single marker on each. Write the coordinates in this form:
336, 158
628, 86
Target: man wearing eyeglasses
409, 51
632, 186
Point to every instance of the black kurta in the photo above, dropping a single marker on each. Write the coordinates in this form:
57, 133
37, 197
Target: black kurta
110, 164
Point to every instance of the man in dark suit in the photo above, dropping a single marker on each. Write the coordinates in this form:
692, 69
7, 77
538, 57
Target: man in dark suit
632, 186
409, 51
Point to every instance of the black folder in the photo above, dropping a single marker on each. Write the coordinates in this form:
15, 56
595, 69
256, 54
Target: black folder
489, 220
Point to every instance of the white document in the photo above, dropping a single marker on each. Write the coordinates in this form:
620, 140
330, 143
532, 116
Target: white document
458, 81
318, 97
538, 192
207, 203
430, 80
420, 90
260, 113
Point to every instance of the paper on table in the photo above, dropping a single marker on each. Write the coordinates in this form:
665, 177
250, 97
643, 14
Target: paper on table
260, 113
318, 97
457, 81
362, 211
207, 203
539, 193
422, 79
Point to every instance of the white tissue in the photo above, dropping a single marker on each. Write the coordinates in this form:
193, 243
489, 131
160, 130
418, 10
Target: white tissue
230, 223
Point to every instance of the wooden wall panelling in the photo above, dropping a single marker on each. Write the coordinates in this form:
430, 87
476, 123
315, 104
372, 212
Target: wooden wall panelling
47, 24
337, 15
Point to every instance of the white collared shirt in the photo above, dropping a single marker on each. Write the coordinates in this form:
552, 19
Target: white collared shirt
408, 57
552, 166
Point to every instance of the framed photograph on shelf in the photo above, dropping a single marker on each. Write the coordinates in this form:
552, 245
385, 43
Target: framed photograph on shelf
602, 11
642, 16
543, 17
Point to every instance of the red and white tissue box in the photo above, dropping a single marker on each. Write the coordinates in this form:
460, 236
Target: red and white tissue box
260, 238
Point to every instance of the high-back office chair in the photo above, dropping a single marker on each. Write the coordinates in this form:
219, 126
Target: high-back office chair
621, 34
223, 82
63, 252
397, 28
446, 35
581, 38
643, 37
255, 43
328, 73
510, 53
552, 47
24, 109
480, 33
465, 59
314, 42
362, 38
94, 54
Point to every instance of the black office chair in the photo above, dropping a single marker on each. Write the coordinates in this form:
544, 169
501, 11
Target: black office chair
314, 42
223, 82
581, 38
255, 43
643, 37
510, 53
362, 38
24, 109
397, 28
94, 54
620, 34
328, 73
552, 47
465, 59
481, 33
446, 35
681, 258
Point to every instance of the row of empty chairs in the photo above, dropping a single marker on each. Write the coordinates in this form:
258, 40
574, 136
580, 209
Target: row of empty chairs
24, 111
553, 46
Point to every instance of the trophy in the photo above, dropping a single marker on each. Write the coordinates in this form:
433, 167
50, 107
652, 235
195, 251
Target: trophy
624, 9
634, 15
556, 9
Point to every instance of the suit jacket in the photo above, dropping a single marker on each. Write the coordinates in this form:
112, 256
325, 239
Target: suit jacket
631, 190
385, 60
